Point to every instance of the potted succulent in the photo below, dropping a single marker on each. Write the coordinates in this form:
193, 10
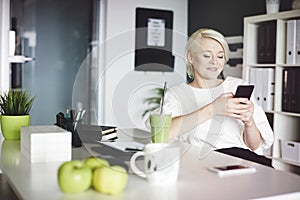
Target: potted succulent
15, 106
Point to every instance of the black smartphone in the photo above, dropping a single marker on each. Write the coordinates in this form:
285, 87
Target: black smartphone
244, 91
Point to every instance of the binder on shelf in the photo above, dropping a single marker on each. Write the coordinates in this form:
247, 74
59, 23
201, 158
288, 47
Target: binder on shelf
253, 80
264, 81
295, 107
259, 84
268, 88
270, 44
285, 104
297, 53
266, 47
291, 90
261, 44
291, 41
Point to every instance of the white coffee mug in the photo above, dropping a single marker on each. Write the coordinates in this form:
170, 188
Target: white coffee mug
161, 163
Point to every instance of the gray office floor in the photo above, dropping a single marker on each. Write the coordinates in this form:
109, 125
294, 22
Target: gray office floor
6, 192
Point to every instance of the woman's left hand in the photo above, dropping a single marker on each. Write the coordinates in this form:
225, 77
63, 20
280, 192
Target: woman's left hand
242, 109
246, 112
252, 136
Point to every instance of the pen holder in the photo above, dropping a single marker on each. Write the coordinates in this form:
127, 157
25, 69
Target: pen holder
70, 125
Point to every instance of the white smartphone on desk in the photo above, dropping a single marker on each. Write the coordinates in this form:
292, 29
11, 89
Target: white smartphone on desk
229, 170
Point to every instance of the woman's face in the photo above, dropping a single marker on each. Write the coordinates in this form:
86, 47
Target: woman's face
208, 59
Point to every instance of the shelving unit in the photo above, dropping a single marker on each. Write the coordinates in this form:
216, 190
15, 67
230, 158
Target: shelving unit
286, 125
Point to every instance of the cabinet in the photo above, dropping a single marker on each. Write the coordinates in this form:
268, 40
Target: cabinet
286, 125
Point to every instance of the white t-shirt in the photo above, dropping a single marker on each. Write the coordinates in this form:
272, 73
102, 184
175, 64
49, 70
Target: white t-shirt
219, 131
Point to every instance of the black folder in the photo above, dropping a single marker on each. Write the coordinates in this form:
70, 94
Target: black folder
266, 43
291, 90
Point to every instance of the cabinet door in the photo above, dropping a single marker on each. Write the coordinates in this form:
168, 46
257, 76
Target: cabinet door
58, 36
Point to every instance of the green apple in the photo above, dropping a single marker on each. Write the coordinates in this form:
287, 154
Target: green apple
94, 162
73, 176
110, 180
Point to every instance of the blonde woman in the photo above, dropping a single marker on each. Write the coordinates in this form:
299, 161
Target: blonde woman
205, 109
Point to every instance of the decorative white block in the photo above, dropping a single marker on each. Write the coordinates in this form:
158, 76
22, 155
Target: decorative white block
46, 143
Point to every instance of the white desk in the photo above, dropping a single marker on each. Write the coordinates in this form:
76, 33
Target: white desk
39, 181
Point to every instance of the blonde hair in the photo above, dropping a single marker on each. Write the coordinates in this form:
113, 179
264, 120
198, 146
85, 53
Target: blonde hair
192, 43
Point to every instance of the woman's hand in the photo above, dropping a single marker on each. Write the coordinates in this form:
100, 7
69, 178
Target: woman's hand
239, 108
242, 109
247, 113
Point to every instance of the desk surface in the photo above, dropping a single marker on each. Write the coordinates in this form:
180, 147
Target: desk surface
39, 180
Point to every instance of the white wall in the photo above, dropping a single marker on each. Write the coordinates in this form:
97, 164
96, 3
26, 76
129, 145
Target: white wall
4, 69
4, 27
123, 88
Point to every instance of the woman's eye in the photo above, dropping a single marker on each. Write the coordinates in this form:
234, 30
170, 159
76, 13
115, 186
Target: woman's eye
221, 57
206, 56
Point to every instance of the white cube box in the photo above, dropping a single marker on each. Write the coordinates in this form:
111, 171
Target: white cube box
46, 143
290, 150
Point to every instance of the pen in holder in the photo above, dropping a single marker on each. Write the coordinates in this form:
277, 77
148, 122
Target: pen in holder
69, 124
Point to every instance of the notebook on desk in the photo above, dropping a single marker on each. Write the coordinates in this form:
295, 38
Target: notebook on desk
121, 149
108, 133
125, 146
108, 129
91, 133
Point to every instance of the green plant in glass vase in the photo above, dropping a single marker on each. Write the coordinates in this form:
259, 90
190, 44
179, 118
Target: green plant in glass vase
153, 102
15, 106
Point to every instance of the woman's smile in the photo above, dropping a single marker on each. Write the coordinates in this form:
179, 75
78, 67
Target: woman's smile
212, 69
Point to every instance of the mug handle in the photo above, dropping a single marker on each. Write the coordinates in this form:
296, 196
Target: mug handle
133, 165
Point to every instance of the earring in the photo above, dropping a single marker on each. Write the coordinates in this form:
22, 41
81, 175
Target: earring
191, 71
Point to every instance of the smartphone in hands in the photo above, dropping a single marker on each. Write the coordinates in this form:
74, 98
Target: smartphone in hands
244, 91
